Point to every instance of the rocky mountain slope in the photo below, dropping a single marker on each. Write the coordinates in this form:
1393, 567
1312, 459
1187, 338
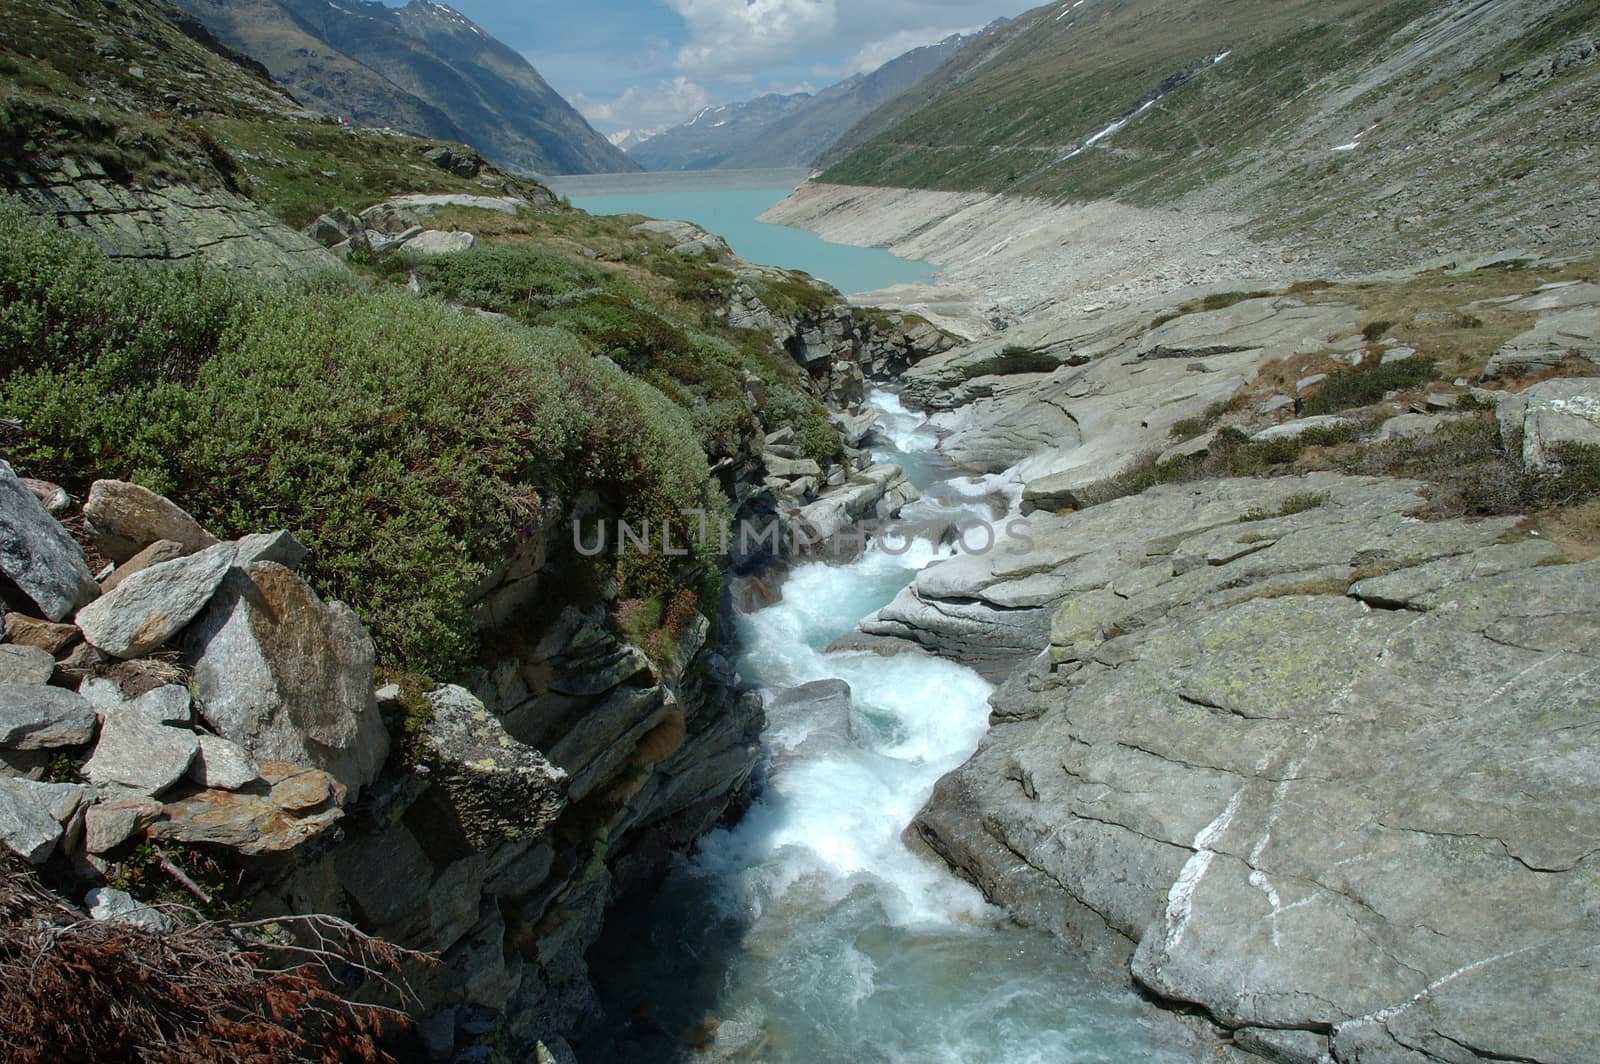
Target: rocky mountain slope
1388, 133
795, 130
424, 69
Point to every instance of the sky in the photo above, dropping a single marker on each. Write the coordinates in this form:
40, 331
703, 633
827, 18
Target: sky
644, 65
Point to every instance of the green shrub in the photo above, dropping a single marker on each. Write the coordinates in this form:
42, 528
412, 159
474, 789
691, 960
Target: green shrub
404, 441
1368, 384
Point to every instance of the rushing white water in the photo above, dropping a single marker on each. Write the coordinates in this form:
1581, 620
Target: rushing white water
811, 919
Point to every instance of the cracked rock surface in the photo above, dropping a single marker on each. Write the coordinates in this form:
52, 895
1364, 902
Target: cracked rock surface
1330, 776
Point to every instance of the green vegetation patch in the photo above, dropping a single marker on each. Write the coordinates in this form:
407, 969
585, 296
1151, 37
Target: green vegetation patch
1367, 384
404, 440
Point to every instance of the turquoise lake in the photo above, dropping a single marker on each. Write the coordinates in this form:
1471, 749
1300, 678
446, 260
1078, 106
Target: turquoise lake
728, 203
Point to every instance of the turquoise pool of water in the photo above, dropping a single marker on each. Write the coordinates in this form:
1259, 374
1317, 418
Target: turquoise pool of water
729, 208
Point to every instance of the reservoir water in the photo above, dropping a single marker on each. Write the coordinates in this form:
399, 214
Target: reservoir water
727, 203
810, 931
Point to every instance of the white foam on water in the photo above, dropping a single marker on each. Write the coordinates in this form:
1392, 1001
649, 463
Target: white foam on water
816, 920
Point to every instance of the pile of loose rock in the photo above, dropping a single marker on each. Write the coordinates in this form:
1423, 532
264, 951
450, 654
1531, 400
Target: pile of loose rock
195, 691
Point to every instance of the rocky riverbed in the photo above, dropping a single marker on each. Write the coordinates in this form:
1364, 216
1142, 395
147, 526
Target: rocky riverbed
1295, 751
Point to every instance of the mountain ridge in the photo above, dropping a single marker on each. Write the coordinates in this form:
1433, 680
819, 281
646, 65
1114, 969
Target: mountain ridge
424, 69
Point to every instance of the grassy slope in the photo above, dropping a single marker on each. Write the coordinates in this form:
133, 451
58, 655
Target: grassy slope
320, 76
1001, 116
1446, 141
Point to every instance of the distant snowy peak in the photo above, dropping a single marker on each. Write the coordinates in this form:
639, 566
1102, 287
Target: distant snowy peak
780, 130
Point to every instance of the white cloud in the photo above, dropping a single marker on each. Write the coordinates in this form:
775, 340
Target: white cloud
727, 36
646, 110
879, 52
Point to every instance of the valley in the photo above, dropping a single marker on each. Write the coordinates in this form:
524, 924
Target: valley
1104, 570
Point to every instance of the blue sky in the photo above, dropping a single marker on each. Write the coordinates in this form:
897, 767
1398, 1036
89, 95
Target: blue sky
648, 64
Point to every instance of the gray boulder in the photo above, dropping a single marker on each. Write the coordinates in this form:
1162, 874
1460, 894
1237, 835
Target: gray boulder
139, 755
152, 606
335, 227
125, 518
24, 664
439, 242
288, 676
1550, 414
43, 718
223, 765
500, 789
27, 827
37, 554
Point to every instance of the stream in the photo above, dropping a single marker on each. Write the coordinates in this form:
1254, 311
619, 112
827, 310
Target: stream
810, 921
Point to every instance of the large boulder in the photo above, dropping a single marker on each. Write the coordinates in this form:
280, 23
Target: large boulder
1549, 415
498, 788
125, 518
438, 242
33, 717
288, 676
37, 555
152, 606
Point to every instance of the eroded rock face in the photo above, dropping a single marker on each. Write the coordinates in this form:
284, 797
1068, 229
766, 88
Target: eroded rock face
287, 676
1317, 772
37, 556
1549, 415
1068, 403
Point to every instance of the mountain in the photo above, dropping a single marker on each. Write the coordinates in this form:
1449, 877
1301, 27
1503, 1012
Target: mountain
777, 131
1342, 120
424, 69
709, 139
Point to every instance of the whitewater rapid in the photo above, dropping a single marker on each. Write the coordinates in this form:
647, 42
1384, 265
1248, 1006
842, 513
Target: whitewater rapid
811, 920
